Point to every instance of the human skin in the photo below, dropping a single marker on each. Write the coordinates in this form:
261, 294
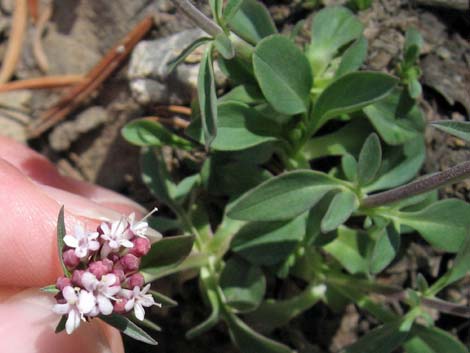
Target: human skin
31, 195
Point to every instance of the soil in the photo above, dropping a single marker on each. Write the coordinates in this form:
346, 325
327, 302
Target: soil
80, 32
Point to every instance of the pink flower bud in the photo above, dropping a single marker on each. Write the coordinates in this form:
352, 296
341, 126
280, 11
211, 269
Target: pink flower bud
119, 273
70, 259
141, 246
100, 268
129, 263
136, 280
119, 306
63, 282
77, 278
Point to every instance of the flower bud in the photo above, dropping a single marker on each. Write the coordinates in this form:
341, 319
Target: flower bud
136, 280
77, 278
141, 246
119, 306
129, 263
63, 282
70, 259
100, 268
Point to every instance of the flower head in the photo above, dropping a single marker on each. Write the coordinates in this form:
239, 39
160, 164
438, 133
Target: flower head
137, 299
78, 303
115, 236
82, 241
104, 291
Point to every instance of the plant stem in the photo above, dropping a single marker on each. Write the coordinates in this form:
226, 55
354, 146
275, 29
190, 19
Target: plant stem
420, 186
205, 23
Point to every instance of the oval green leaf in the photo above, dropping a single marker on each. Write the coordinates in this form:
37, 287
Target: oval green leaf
283, 197
283, 73
461, 129
370, 160
341, 207
168, 251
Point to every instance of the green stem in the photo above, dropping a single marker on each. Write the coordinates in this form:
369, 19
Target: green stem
204, 22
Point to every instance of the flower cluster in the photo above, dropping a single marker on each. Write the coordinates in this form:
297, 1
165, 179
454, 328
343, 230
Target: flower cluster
104, 267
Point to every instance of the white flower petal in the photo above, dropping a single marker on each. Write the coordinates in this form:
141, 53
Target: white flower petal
89, 281
73, 322
129, 305
126, 293
105, 305
71, 241
145, 289
93, 245
112, 291
127, 244
86, 302
93, 236
61, 309
139, 311
69, 295
147, 300
81, 252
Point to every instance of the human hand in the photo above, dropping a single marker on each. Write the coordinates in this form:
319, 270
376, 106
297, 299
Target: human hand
31, 194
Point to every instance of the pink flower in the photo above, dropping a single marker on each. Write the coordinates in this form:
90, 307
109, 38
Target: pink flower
129, 263
138, 299
71, 260
78, 303
104, 291
115, 237
83, 242
141, 247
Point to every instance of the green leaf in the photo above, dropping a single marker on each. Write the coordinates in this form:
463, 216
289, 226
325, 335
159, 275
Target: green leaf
444, 224
128, 328
383, 339
214, 316
413, 44
459, 269
342, 206
207, 96
252, 21
61, 325
353, 57
349, 166
237, 70
370, 160
432, 340
185, 186
168, 251
276, 313
172, 64
396, 119
155, 175
52, 289
216, 9
192, 262
351, 249
240, 127
61, 232
164, 224
231, 8
250, 341
146, 132
385, 249
224, 46
414, 88
163, 299
333, 27
243, 285
460, 129
245, 93
268, 243
283, 73
346, 140
352, 92
283, 197
399, 165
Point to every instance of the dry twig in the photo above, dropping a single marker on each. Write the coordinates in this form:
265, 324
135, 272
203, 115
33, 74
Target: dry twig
42, 82
110, 62
38, 50
15, 42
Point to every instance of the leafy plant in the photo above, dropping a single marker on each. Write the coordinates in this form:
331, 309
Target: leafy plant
260, 214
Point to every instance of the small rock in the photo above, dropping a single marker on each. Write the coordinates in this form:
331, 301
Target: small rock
65, 134
150, 80
17, 100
